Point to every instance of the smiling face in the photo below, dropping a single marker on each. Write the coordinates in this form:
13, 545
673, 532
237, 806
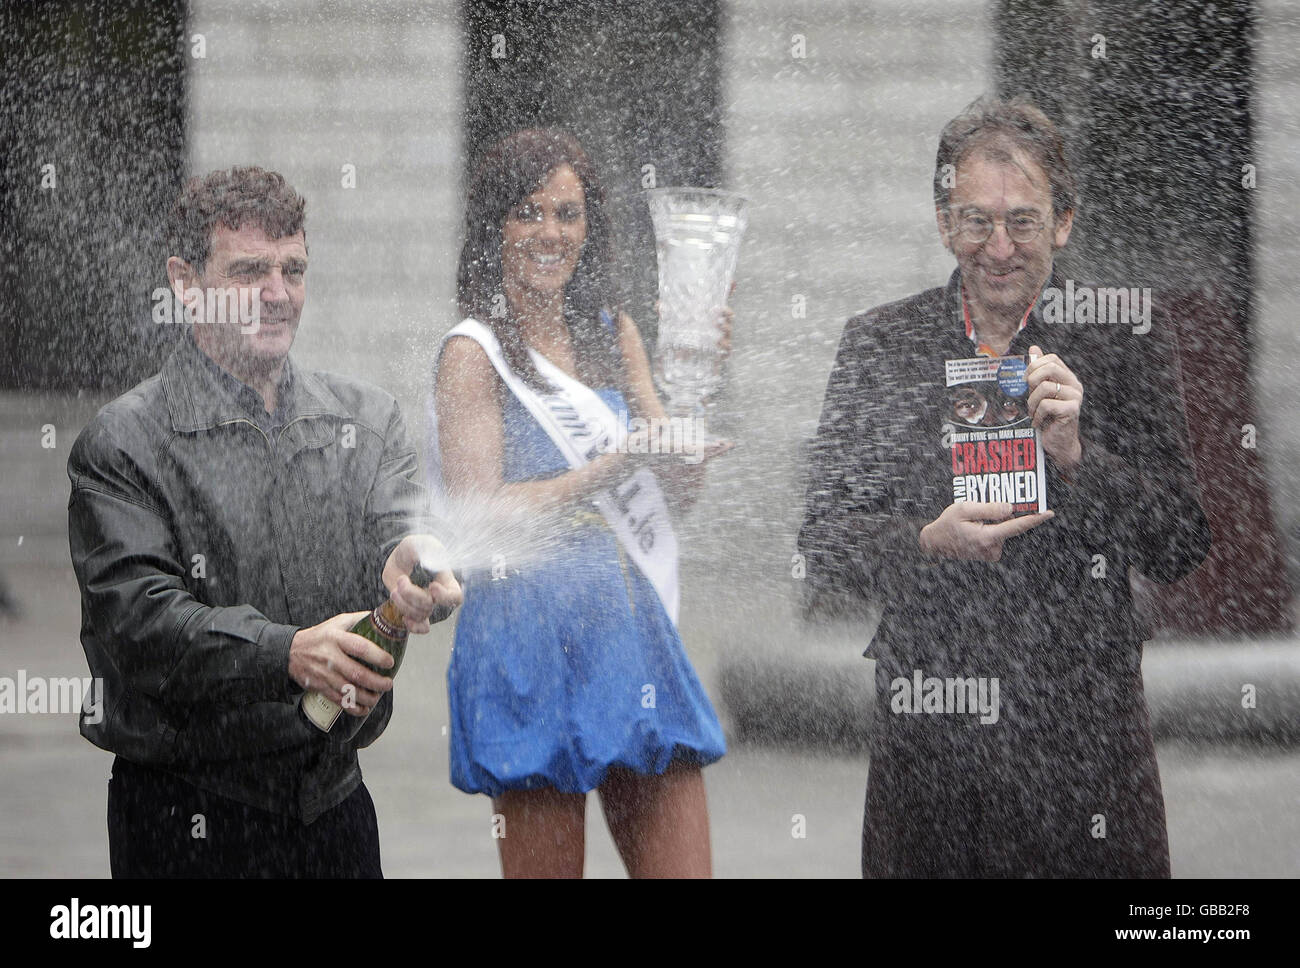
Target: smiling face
542, 239
1002, 277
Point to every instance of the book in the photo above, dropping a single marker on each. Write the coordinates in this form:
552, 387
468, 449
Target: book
997, 454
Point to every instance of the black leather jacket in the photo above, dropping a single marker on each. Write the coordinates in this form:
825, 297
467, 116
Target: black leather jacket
202, 543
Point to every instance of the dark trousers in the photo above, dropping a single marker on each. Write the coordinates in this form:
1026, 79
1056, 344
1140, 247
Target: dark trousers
161, 826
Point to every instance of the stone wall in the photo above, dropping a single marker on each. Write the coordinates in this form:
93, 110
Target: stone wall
307, 87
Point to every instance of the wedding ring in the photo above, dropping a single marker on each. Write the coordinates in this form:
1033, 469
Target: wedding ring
1057, 392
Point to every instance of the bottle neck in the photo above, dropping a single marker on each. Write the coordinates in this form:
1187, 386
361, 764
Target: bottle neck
388, 620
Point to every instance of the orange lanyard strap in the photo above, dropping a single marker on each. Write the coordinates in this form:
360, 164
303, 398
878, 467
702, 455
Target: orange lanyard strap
983, 349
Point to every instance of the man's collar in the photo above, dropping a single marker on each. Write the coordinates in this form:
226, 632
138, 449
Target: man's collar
247, 397
198, 399
1034, 323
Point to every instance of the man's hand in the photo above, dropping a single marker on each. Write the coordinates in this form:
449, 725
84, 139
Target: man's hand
963, 531
1055, 396
419, 605
324, 658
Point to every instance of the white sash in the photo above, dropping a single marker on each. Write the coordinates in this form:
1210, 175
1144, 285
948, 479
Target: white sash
583, 427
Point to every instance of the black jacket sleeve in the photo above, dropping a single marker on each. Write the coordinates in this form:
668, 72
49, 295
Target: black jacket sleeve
161, 640
856, 544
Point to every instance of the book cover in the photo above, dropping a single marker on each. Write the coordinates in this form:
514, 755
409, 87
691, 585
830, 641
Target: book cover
997, 455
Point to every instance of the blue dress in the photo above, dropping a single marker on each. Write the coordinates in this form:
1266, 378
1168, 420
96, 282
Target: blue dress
571, 665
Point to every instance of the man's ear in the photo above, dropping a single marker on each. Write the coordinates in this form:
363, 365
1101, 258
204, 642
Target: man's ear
1061, 230
180, 275
945, 234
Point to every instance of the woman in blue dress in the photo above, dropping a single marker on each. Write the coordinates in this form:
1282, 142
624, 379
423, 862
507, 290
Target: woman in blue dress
567, 674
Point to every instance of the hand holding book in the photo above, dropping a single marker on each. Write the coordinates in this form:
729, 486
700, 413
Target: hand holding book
975, 530
997, 478
1055, 398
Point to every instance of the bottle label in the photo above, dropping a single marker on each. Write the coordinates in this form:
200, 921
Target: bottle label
386, 628
322, 712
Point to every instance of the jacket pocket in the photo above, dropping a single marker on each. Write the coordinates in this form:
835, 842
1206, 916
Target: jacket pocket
138, 729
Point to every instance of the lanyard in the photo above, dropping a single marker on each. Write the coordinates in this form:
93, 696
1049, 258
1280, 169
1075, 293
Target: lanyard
983, 349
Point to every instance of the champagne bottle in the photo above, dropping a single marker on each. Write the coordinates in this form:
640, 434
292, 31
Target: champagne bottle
385, 628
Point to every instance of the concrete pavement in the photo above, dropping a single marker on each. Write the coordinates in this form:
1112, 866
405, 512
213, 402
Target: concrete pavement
1232, 808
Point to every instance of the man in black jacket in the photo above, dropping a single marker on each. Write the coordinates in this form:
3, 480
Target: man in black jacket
1011, 736
227, 517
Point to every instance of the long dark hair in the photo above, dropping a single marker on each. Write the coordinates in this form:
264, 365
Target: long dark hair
510, 171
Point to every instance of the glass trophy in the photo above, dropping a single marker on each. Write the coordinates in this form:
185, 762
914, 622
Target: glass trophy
697, 240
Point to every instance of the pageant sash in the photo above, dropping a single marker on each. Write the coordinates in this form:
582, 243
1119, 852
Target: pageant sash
583, 427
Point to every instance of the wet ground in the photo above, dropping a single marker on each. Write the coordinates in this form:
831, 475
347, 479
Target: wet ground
1232, 810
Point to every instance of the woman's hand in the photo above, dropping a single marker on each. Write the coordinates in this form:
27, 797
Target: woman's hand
682, 475
724, 317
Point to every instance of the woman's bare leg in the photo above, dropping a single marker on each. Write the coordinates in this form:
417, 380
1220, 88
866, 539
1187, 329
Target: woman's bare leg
544, 832
660, 824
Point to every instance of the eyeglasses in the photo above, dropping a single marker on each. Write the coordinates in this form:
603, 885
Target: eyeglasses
976, 228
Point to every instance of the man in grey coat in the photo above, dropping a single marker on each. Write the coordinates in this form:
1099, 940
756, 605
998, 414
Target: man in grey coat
228, 517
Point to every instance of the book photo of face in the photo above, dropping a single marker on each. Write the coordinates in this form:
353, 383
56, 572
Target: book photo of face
985, 405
